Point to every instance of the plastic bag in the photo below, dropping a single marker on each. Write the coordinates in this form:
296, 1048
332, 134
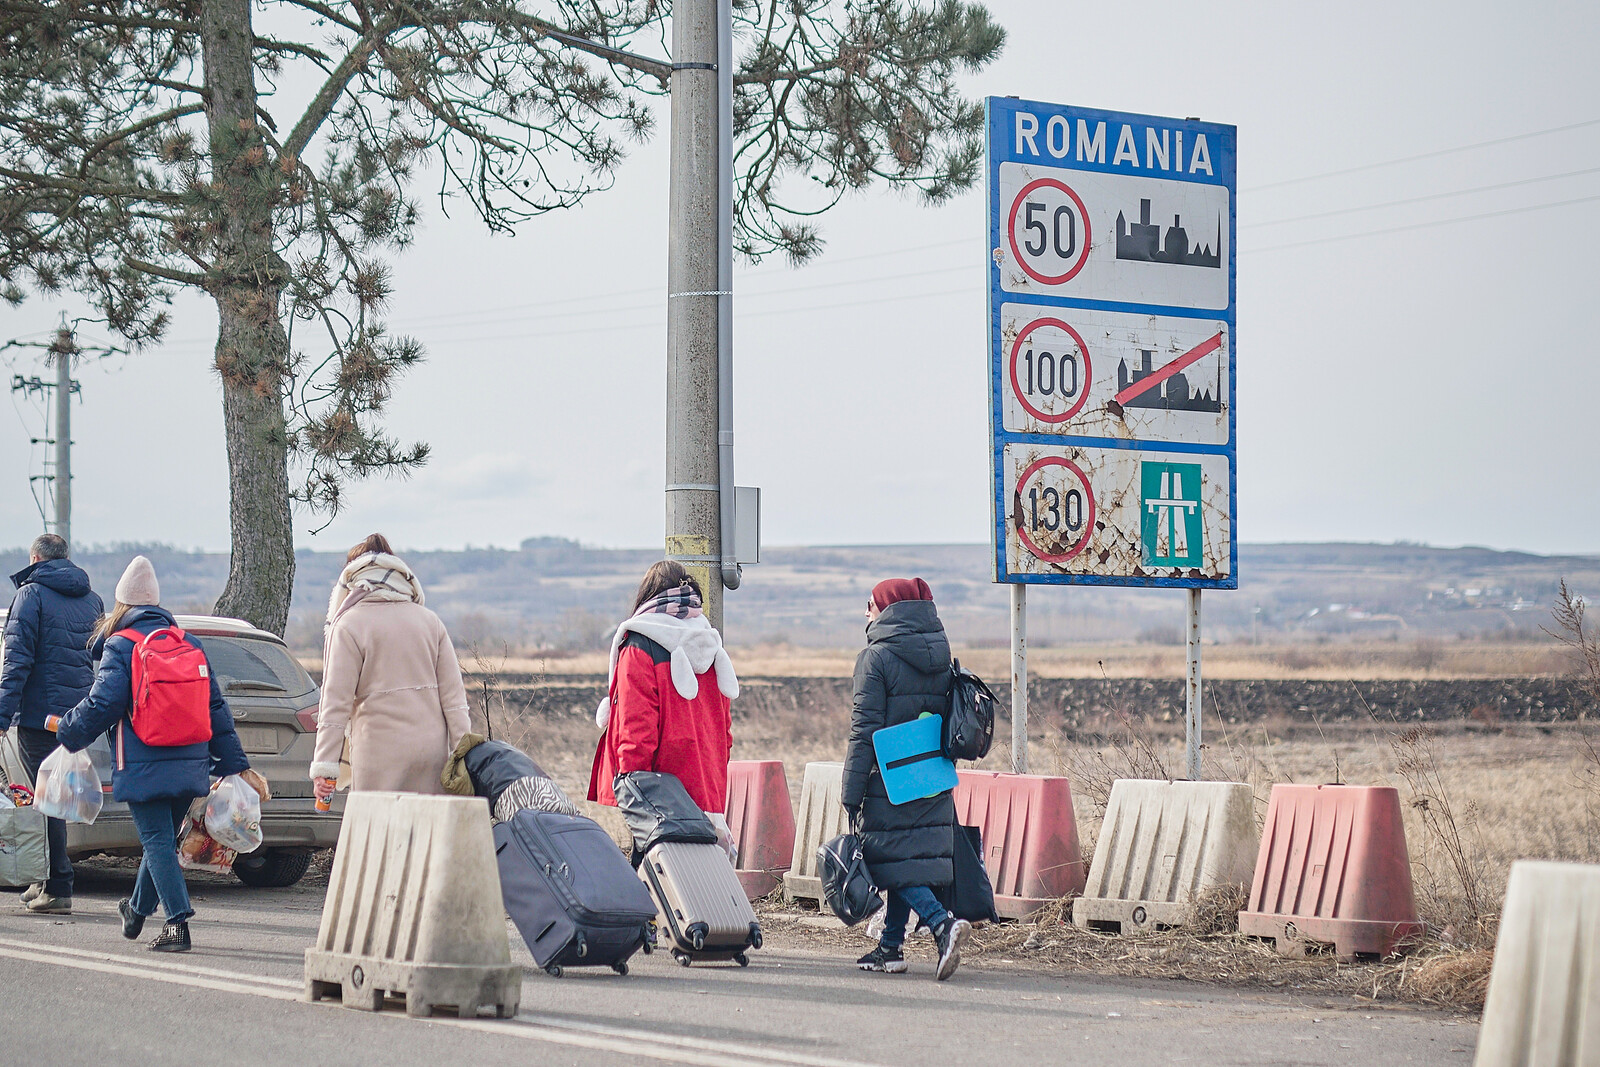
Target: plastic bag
68, 787
233, 814
197, 849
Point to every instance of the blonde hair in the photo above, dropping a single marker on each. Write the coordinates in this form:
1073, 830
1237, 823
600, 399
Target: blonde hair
110, 622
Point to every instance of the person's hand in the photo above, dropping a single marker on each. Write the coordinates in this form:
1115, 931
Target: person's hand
853, 810
255, 781
323, 787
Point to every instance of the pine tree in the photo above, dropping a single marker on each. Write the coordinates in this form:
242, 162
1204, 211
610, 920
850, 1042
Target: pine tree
139, 155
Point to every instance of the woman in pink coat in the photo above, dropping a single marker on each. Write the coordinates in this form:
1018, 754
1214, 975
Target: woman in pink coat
390, 680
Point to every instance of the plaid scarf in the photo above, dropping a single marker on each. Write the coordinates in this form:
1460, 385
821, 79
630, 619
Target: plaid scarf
681, 602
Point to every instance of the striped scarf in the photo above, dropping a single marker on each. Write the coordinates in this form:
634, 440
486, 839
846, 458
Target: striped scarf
681, 602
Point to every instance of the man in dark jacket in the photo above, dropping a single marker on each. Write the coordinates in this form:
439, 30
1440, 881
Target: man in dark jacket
46, 671
903, 672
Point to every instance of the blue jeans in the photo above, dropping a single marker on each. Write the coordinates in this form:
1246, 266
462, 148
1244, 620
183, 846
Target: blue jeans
898, 913
160, 878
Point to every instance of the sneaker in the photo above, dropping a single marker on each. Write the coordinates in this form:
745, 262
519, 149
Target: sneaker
950, 935
31, 892
132, 921
884, 960
174, 937
45, 904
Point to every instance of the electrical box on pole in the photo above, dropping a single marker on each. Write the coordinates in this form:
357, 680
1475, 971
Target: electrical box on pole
1112, 358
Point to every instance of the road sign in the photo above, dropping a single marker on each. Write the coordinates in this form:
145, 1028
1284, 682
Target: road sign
1111, 302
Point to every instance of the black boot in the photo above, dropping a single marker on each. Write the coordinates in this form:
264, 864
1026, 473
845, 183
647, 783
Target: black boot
174, 937
132, 921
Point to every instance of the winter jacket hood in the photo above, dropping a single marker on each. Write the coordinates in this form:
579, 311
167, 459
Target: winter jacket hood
694, 646
912, 631
48, 667
139, 771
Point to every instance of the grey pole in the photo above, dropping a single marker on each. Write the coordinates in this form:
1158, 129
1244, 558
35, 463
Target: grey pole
63, 475
1192, 703
695, 297
1019, 678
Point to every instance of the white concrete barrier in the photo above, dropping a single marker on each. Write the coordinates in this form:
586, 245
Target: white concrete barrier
822, 818
1543, 1008
414, 909
1162, 845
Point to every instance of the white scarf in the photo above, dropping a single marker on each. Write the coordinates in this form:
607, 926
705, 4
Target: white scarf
378, 574
695, 646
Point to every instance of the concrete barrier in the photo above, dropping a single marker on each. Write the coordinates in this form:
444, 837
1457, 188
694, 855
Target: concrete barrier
1543, 1008
1333, 868
414, 910
821, 818
762, 822
1030, 837
1162, 846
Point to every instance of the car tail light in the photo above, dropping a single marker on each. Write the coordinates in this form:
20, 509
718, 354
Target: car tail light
307, 718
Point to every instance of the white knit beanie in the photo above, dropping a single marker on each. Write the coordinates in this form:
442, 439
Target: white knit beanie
138, 583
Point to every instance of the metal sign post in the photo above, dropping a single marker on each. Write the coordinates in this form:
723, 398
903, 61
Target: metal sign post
1019, 679
1112, 374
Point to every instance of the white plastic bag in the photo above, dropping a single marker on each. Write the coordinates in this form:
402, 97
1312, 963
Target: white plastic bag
68, 787
233, 815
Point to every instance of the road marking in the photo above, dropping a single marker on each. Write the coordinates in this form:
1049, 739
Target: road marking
648, 1044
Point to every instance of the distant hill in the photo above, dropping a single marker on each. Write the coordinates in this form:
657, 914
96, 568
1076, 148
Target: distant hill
555, 593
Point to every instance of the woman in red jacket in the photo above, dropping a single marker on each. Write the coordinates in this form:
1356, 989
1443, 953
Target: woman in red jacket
667, 699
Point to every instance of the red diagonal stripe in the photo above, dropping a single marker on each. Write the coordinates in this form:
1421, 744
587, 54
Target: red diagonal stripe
1188, 359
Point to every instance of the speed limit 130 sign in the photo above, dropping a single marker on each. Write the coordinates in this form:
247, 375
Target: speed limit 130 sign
1112, 354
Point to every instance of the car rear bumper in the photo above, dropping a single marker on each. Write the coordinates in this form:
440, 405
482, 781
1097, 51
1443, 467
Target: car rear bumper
292, 822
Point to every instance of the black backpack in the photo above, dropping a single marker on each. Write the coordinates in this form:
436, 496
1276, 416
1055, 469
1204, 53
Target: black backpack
969, 723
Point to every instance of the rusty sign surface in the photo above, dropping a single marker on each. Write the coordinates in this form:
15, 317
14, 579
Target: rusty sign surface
1111, 313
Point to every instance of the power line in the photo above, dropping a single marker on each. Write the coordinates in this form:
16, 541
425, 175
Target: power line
1424, 155
1422, 225
1423, 199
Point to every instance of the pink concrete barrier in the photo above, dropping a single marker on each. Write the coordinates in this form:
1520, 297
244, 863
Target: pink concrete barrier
762, 823
1333, 868
1030, 837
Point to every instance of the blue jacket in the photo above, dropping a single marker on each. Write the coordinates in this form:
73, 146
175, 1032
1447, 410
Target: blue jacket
47, 663
141, 771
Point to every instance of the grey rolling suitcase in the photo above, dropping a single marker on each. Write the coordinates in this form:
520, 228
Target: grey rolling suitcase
702, 906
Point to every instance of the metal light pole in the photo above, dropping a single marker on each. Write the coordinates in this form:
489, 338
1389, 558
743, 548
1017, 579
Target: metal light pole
63, 482
700, 300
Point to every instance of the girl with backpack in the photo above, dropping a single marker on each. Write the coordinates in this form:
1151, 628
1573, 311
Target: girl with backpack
166, 742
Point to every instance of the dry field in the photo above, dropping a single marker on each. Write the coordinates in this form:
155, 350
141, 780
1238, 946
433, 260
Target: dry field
1481, 791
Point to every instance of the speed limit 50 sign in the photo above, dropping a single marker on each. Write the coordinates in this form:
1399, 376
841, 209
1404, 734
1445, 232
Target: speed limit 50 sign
1112, 373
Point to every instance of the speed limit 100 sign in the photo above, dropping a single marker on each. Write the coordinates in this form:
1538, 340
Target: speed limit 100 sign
1112, 347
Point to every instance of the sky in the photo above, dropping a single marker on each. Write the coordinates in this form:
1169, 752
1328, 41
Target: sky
1415, 352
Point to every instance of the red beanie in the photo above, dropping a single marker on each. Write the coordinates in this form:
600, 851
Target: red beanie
892, 590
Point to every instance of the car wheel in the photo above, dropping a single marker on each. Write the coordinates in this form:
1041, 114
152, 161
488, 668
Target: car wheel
272, 868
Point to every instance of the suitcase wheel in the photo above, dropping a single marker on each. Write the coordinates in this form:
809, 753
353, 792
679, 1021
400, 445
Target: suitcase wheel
741, 959
620, 968
681, 957
554, 970
755, 935
583, 947
697, 936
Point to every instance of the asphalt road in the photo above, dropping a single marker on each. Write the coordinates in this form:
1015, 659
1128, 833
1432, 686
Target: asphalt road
73, 991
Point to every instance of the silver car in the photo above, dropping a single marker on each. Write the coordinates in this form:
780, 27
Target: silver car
274, 704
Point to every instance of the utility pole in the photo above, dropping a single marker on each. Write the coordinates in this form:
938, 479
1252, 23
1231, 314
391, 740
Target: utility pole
699, 472
62, 351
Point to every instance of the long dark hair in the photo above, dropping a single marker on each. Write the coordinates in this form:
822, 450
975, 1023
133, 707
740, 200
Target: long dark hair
373, 543
664, 575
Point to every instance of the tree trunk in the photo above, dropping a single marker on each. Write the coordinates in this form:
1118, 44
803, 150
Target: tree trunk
248, 278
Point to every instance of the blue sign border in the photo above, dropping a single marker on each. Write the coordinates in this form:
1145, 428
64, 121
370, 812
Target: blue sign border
1000, 123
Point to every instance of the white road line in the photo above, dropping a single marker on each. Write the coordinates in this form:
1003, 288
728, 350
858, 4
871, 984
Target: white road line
669, 1048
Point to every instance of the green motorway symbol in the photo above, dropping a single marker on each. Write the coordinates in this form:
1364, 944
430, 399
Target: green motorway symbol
1170, 529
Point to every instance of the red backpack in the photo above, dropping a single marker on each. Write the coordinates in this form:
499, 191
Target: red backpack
171, 688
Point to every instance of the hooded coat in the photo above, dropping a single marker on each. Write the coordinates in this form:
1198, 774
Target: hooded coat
667, 708
48, 668
142, 772
903, 672
390, 680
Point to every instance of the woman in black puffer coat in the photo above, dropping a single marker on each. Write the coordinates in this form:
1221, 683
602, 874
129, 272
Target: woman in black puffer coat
903, 672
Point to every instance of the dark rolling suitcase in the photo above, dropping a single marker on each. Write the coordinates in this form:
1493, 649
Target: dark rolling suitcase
702, 905
571, 892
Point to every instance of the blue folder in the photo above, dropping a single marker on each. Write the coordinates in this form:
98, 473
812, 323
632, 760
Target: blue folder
910, 761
